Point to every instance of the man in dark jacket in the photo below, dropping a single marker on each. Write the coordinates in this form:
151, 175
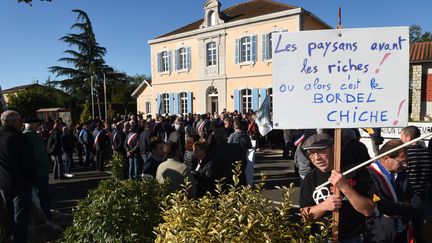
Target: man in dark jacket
54, 147
17, 175
101, 144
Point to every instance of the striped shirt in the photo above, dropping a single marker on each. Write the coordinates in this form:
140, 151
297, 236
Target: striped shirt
419, 168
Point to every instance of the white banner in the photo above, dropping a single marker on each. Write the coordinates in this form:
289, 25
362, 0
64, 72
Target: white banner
341, 78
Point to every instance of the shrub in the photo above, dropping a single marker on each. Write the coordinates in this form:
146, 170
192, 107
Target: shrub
117, 165
241, 214
118, 211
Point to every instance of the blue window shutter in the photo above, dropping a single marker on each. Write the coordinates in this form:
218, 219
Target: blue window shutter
237, 100
188, 58
159, 104
264, 47
237, 51
263, 94
189, 102
254, 48
169, 61
159, 62
255, 102
176, 59
176, 103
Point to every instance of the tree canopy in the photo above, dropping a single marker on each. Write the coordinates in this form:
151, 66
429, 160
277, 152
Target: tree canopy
86, 64
416, 34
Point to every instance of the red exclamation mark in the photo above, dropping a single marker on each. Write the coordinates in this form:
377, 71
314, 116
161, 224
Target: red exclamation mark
395, 122
382, 61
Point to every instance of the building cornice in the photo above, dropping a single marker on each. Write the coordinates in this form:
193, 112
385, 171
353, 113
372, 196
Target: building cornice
213, 78
262, 18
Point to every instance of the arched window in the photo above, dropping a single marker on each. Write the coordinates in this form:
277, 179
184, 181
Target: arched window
182, 57
183, 103
245, 49
165, 61
211, 18
211, 54
246, 100
165, 103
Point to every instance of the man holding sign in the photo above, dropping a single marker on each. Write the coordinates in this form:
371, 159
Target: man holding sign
357, 190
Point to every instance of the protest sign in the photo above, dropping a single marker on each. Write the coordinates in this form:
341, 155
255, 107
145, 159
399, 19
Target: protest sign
348, 78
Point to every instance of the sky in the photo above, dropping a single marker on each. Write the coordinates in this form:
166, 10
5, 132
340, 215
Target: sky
29, 40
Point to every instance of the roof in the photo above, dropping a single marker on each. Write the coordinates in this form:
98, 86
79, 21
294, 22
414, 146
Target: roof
21, 87
141, 88
421, 52
249, 9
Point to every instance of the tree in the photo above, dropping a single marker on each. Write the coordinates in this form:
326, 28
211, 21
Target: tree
416, 34
87, 63
26, 102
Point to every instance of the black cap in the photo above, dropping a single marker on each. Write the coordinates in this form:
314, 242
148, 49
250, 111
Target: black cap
317, 141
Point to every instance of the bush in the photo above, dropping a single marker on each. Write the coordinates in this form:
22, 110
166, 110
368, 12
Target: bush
241, 214
118, 211
117, 166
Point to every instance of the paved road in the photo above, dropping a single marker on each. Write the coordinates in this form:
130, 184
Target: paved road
66, 193
279, 172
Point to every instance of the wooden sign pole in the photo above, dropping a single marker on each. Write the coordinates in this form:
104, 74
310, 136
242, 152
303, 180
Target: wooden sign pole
337, 159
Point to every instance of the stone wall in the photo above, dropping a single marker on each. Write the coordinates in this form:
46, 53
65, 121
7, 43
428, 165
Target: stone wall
416, 84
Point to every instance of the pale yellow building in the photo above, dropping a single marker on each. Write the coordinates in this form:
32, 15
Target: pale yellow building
221, 61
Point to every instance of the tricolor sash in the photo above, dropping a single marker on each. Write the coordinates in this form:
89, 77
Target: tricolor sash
386, 179
131, 138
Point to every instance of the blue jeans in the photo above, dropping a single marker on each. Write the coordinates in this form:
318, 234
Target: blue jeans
42, 191
18, 210
69, 161
133, 167
58, 166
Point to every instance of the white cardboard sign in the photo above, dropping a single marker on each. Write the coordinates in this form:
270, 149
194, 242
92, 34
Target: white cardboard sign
347, 78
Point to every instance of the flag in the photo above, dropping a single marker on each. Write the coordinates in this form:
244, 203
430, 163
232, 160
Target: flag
3, 106
263, 119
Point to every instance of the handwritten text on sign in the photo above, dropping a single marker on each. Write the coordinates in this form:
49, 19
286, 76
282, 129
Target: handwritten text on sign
341, 78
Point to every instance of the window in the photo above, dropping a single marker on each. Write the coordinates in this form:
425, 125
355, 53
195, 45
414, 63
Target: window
211, 18
270, 94
165, 103
182, 57
164, 61
267, 46
183, 103
246, 100
211, 54
245, 49
148, 107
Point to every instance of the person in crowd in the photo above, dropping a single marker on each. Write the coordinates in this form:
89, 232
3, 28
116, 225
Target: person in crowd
419, 171
178, 136
41, 165
132, 151
189, 156
144, 140
102, 144
17, 176
174, 170
78, 145
202, 126
203, 172
118, 139
396, 201
224, 156
86, 140
357, 189
55, 150
154, 158
68, 144
228, 126
240, 137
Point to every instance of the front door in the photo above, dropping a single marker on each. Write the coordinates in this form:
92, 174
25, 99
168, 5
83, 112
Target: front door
214, 104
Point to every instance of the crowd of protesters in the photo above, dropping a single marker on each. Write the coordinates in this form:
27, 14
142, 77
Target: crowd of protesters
381, 203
